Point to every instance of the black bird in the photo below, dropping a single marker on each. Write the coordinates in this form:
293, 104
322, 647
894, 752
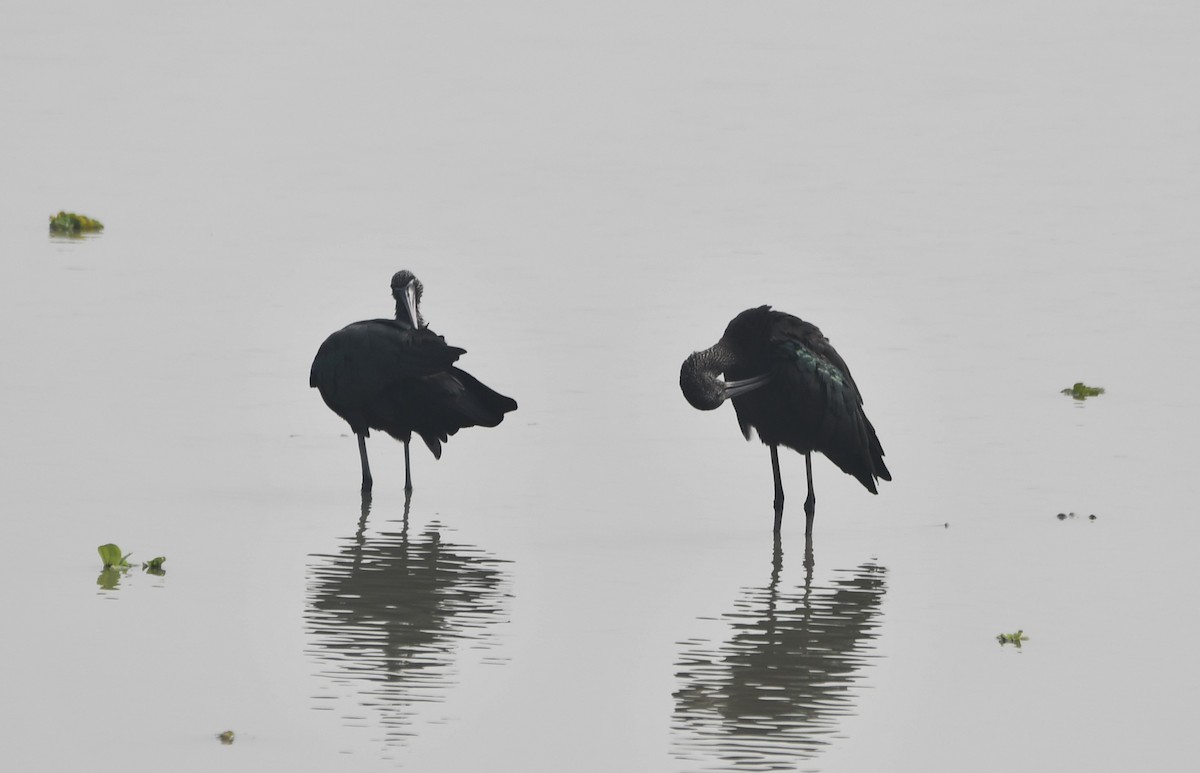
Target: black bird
794, 389
398, 376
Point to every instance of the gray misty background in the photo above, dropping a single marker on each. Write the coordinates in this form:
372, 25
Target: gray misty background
979, 204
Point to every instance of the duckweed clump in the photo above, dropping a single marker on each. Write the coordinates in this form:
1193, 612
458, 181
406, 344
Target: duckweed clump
1081, 391
72, 224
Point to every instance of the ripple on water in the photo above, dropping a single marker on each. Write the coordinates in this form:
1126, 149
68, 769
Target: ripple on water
387, 615
772, 692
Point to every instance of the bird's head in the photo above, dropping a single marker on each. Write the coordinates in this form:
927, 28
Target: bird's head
406, 289
700, 385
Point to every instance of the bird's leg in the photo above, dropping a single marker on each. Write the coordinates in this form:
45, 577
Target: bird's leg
362, 521
407, 470
778, 488
810, 504
776, 560
366, 468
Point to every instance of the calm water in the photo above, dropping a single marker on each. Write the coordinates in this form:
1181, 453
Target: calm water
979, 206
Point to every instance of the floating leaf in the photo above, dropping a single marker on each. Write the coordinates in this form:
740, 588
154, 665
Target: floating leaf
154, 565
226, 737
110, 554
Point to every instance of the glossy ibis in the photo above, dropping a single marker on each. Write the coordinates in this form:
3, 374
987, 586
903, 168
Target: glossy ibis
789, 384
398, 376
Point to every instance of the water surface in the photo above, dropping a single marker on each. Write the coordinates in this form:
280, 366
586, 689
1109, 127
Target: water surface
979, 206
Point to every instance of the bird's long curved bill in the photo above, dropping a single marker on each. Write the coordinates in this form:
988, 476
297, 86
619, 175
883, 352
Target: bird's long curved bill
744, 385
410, 303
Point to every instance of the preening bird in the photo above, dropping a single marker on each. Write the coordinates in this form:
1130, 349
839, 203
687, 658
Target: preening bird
789, 384
398, 376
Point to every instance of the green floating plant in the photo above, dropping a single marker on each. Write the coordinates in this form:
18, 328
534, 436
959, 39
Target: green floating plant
116, 564
226, 737
73, 224
110, 554
1081, 391
1012, 638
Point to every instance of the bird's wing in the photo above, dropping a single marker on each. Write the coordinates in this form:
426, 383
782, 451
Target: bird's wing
802, 343
827, 400
365, 358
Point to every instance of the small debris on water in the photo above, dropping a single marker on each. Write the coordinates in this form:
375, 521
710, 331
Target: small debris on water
1012, 638
1081, 391
226, 737
72, 224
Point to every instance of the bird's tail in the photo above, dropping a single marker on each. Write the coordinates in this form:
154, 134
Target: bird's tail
855, 448
479, 404
459, 400
870, 466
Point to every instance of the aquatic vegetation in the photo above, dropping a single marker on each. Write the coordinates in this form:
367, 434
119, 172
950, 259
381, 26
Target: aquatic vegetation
226, 737
154, 566
117, 564
73, 224
1081, 391
110, 554
1012, 638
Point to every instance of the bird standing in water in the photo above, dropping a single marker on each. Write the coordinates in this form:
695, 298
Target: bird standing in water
398, 376
789, 384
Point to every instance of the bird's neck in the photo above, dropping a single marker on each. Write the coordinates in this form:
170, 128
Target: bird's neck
698, 377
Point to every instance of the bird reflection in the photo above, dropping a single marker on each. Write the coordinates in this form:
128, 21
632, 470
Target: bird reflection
388, 613
774, 691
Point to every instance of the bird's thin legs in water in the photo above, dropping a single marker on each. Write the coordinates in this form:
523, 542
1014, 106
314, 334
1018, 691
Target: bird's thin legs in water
810, 504
359, 536
366, 468
407, 472
778, 488
776, 559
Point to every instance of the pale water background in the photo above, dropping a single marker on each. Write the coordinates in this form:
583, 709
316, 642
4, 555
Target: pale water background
980, 204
